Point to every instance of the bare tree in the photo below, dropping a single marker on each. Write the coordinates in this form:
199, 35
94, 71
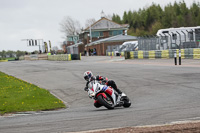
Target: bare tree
55, 48
70, 26
89, 22
109, 16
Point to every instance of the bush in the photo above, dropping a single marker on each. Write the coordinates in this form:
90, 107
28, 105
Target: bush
2, 58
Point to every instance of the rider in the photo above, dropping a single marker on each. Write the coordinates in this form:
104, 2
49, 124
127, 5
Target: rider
88, 76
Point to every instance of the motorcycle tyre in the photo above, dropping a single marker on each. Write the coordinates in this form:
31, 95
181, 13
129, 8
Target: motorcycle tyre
100, 98
127, 102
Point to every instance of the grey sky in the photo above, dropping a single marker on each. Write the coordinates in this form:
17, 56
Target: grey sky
35, 19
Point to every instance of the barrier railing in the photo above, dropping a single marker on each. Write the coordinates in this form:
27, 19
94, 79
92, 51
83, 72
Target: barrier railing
60, 57
64, 57
191, 53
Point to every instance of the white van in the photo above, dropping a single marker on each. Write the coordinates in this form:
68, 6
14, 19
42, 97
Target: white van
127, 46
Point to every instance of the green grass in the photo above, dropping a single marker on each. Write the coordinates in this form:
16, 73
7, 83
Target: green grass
18, 96
11, 58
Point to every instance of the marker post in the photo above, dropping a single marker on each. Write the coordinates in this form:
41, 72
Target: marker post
175, 59
179, 57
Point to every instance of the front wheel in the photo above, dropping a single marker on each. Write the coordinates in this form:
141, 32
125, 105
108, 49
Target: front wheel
107, 102
127, 102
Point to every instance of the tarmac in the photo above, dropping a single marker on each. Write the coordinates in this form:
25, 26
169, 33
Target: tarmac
161, 93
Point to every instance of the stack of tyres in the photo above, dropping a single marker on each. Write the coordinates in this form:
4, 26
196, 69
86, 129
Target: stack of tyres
190, 53
127, 55
158, 54
75, 57
136, 55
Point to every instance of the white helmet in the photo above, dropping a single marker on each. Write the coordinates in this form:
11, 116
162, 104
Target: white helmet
87, 75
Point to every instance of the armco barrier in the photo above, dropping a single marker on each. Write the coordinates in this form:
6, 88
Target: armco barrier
164, 54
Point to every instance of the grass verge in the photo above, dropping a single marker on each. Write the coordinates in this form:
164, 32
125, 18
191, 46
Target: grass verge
18, 96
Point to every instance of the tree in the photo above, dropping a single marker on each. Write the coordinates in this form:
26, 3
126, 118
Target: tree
20, 53
125, 18
130, 18
3, 54
155, 27
167, 16
10, 53
116, 18
89, 22
194, 14
70, 26
55, 48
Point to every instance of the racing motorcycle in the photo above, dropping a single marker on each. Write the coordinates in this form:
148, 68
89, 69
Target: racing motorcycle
107, 96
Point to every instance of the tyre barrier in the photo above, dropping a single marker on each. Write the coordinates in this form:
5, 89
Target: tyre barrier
64, 57
110, 54
190, 53
3, 60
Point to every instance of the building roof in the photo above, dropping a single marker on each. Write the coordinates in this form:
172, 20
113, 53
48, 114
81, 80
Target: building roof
105, 23
75, 45
117, 38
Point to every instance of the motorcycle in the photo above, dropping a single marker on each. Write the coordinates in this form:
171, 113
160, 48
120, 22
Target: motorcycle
107, 96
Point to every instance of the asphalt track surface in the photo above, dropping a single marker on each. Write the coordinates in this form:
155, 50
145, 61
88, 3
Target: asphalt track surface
160, 93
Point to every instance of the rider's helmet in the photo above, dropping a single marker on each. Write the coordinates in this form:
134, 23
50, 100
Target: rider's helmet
87, 75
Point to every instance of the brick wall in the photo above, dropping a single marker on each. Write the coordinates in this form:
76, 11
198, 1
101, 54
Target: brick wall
101, 48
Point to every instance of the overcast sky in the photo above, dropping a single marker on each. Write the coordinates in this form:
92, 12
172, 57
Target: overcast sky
39, 19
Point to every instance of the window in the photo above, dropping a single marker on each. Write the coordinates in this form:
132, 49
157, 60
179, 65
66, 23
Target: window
101, 33
97, 33
115, 32
174, 36
190, 35
197, 34
72, 39
165, 32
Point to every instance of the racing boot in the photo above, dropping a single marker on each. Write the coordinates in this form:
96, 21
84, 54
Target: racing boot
120, 102
123, 95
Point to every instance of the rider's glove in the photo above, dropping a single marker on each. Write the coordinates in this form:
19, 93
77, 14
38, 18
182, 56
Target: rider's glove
92, 78
104, 82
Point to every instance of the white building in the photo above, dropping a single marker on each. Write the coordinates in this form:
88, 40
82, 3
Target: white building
183, 37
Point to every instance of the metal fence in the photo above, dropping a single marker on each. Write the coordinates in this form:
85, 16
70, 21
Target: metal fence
182, 41
72, 50
113, 48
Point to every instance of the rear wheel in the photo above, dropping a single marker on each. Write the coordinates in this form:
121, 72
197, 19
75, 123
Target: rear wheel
107, 102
